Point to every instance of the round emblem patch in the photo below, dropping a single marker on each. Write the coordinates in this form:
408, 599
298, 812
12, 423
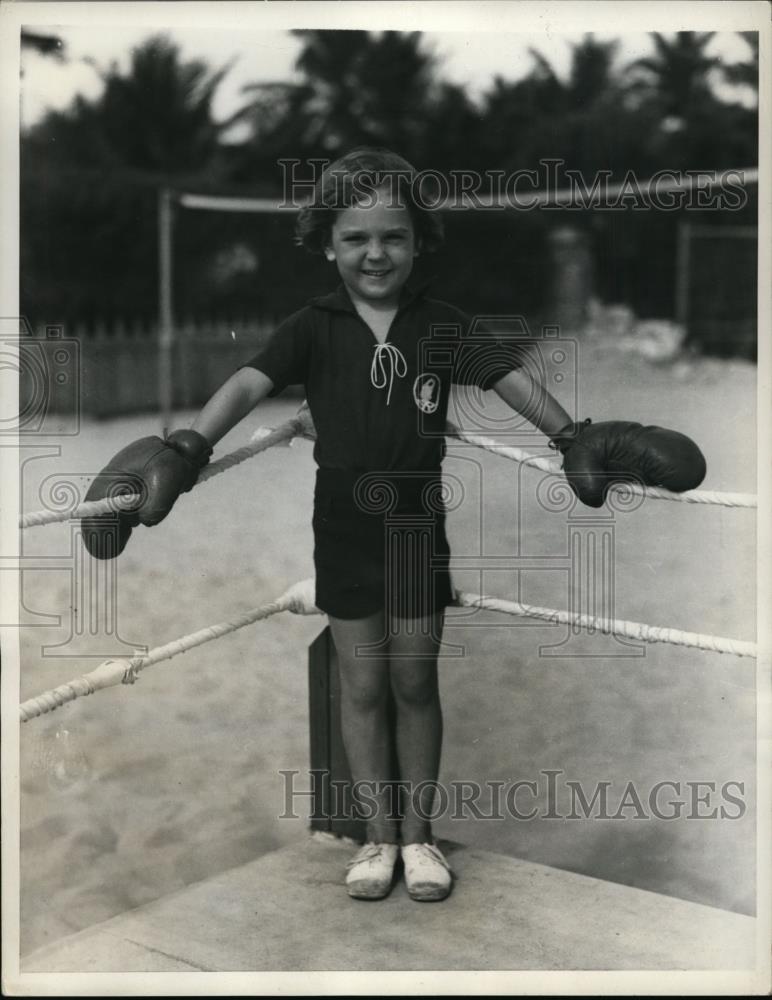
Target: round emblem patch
426, 393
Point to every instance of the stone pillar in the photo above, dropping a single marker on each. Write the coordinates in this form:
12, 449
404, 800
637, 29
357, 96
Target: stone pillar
572, 284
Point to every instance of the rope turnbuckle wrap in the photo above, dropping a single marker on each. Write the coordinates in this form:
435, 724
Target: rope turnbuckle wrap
299, 600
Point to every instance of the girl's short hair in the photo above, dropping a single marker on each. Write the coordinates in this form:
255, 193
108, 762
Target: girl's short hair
351, 180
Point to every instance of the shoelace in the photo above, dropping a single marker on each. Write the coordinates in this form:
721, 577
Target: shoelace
379, 377
367, 853
436, 855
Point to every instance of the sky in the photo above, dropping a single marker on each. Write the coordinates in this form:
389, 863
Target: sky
469, 59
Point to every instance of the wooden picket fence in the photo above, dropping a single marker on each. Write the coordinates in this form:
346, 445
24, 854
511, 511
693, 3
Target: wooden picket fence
108, 371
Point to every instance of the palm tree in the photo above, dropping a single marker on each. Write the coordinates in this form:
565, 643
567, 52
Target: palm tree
355, 88
155, 120
544, 116
745, 74
159, 116
693, 126
368, 87
89, 176
676, 77
590, 77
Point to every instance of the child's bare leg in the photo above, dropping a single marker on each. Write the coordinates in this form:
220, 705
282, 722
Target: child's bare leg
364, 721
413, 670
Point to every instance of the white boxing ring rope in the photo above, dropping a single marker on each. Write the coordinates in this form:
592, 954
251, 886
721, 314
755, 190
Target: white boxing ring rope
610, 626
302, 426
712, 497
299, 426
300, 598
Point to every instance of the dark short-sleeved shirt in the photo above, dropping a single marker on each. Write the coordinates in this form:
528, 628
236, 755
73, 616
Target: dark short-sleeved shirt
399, 422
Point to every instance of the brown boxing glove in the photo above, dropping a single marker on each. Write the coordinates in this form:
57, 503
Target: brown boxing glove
159, 470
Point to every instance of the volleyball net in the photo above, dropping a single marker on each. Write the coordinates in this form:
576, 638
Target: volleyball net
671, 250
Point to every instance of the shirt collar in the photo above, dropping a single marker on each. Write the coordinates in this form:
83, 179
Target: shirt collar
340, 300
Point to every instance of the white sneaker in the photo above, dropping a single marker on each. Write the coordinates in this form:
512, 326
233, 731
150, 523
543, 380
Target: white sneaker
370, 873
428, 875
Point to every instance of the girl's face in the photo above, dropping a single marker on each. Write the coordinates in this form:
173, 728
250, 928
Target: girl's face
373, 246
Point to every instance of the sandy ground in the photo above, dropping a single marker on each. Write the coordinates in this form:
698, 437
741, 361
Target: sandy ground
137, 791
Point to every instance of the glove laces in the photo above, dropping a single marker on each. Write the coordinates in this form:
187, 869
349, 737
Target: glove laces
566, 436
388, 361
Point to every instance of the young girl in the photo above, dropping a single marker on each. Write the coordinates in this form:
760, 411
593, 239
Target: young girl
377, 358
379, 409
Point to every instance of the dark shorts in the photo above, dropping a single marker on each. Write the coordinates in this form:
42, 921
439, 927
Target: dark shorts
380, 544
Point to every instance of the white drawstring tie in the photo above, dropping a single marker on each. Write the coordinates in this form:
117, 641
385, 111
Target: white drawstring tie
397, 365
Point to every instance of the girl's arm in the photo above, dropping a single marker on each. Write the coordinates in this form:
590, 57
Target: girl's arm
597, 455
231, 403
169, 467
520, 391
